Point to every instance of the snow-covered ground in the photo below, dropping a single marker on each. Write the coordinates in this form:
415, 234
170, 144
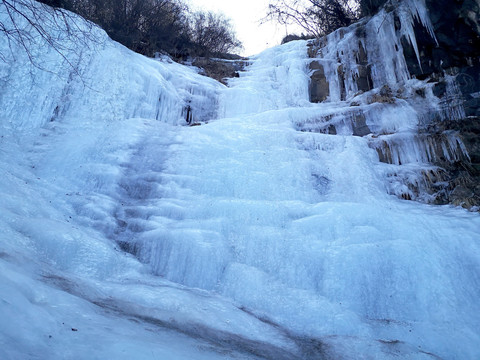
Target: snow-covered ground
127, 235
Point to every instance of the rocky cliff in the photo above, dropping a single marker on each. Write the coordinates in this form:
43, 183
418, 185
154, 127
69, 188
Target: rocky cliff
413, 55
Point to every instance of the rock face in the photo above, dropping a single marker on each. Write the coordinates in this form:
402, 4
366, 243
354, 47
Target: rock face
414, 56
455, 53
464, 175
220, 69
457, 38
319, 89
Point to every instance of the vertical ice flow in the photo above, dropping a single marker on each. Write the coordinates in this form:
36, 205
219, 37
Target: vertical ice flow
259, 234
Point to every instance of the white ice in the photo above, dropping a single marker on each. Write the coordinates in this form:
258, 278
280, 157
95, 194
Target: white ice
240, 238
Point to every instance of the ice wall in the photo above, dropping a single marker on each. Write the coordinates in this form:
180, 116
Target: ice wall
371, 50
365, 66
269, 232
283, 207
72, 127
112, 82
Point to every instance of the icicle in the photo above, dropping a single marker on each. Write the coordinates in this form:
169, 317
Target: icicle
456, 145
408, 12
406, 148
452, 102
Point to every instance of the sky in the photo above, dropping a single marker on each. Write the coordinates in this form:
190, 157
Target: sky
245, 16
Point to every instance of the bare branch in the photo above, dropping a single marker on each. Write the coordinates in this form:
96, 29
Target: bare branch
316, 17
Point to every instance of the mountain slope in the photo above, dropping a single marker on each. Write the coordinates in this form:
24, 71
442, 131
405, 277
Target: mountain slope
254, 235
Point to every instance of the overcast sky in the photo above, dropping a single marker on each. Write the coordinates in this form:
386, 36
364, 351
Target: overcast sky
245, 15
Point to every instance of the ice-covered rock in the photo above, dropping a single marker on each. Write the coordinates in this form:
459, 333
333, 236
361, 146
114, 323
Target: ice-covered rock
376, 65
269, 231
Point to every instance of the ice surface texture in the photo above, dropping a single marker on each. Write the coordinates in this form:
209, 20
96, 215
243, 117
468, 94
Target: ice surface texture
125, 235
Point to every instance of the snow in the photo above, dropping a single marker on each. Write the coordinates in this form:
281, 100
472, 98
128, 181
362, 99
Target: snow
128, 235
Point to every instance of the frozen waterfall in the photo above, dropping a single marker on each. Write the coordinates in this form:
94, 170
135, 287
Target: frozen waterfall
276, 229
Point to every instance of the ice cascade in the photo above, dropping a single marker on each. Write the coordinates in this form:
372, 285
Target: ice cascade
364, 68
267, 231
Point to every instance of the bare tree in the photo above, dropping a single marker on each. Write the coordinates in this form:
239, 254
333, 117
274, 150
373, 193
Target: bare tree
316, 17
213, 33
28, 23
145, 26
370, 7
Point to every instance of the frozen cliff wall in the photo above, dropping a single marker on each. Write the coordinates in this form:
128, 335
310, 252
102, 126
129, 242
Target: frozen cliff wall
254, 239
112, 82
411, 55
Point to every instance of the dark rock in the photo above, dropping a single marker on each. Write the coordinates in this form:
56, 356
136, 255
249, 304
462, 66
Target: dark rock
332, 130
457, 31
464, 175
468, 82
386, 91
359, 125
220, 69
385, 95
472, 107
421, 93
315, 65
362, 58
440, 89
364, 80
341, 81
319, 88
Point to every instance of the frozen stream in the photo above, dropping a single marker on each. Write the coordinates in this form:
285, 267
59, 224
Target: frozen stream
127, 235
298, 228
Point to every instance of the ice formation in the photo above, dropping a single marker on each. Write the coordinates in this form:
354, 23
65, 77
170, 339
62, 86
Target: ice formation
269, 231
364, 66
